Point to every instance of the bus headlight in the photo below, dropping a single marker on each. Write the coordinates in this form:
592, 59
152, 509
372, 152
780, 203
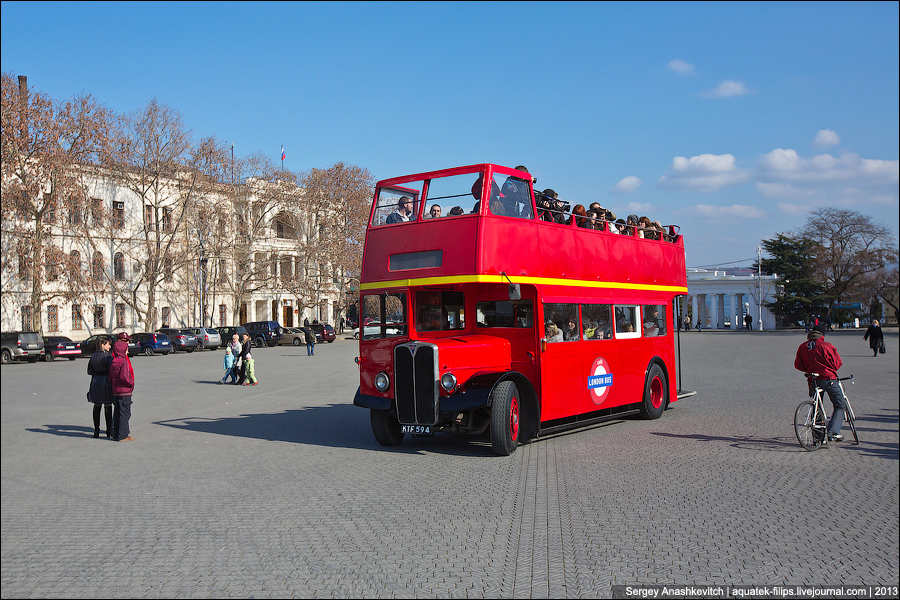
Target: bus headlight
382, 381
448, 382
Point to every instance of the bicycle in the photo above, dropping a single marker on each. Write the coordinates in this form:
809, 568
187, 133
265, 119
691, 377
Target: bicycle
811, 419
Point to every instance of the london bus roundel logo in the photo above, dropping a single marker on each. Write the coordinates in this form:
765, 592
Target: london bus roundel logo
600, 380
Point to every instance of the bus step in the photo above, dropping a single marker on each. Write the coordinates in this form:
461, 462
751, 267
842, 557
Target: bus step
686, 394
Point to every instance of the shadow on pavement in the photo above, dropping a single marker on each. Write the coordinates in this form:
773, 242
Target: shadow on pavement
334, 425
68, 430
884, 450
883, 418
748, 442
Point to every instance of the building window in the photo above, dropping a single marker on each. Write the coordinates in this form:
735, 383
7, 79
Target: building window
120, 315
165, 316
259, 264
97, 212
119, 266
222, 275
99, 317
77, 321
167, 220
283, 227
27, 314
287, 271
97, 266
52, 317
223, 312
52, 270
273, 265
24, 266
167, 269
50, 213
75, 214
75, 258
148, 215
119, 215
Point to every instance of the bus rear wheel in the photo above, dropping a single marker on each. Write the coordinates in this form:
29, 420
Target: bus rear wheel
656, 393
385, 427
505, 418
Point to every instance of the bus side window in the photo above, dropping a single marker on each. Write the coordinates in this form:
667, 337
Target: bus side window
561, 322
595, 324
503, 313
628, 321
383, 315
654, 320
514, 199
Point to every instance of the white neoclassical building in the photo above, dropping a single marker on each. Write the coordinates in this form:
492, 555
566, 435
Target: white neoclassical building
720, 300
103, 242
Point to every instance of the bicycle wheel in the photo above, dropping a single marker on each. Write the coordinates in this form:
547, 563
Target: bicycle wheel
851, 420
809, 434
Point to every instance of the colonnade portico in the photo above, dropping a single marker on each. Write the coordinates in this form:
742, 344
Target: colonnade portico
720, 301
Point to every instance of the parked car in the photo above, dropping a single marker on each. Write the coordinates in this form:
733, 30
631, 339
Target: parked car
89, 346
181, 339
209, 338
225, 333
264, 333
59, 346
149, 344
324, 332
21, 345
374, 328
291, 336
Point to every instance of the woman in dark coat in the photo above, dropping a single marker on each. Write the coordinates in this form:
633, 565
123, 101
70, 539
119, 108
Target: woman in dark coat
875, 336
100, 393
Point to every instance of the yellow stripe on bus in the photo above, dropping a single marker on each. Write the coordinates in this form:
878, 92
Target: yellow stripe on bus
519, 279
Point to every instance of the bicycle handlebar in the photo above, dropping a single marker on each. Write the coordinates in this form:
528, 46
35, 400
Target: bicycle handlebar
839, 378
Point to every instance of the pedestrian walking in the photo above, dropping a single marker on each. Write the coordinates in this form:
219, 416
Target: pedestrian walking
251, 370
228, 363
235, 348
342, 324
121, 380
310, 338
99, 393
246, 345
875, 336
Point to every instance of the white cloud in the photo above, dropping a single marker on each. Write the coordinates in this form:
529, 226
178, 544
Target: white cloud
704, 172
786, 165
641, 207
782, 190
728, 89
734, 210
627, 184
681, 67
827, 137
795, 209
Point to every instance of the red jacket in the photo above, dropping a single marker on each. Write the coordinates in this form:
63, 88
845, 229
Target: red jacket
121, 373
818, 356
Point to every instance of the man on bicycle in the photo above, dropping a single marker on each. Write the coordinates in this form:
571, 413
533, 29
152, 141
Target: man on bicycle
818, 356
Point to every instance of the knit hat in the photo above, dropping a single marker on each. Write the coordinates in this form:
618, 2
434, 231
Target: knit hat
814, 334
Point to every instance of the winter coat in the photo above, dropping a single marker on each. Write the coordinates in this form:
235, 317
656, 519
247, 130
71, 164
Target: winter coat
874, 335
818, 356
229, 361
121, 373
309, 336
98, 368
245, 349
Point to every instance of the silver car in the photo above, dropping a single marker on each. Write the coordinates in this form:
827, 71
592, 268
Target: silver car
208, 338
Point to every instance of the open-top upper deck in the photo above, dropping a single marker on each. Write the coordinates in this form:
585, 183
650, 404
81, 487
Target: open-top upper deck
410, 243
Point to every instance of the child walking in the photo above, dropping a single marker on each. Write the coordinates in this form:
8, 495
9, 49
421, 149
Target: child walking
251, 371
229, 367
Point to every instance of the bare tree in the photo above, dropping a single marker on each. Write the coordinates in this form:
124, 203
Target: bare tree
850, 246
332, 212
48, 149
151, 154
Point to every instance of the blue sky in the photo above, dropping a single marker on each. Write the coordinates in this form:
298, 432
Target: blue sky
732, 120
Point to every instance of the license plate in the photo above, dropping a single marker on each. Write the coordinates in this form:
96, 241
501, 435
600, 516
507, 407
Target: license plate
31, 346
70, 347
417, 429
165, 343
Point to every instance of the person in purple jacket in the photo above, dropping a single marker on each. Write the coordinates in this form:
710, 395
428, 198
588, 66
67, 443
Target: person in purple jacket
121, 380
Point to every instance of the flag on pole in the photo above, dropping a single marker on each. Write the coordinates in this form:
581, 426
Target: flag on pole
283, 155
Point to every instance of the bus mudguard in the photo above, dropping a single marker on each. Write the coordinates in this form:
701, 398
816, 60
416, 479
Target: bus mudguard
367, 401
477, 394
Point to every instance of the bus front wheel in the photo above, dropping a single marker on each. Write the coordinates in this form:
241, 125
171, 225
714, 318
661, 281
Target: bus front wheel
505, 418
656, 393
385, 427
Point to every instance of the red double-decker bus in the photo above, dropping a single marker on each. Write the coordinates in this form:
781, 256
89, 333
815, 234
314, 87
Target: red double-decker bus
493, 316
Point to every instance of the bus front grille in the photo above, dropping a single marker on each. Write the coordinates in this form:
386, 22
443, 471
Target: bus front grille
416, 383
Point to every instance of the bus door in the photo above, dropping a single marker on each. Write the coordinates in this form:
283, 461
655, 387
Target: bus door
514, 320
563, 375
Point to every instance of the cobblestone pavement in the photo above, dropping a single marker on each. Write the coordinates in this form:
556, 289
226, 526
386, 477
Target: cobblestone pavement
281, 491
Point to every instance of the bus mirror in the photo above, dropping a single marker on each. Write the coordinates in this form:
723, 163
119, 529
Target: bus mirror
515, 291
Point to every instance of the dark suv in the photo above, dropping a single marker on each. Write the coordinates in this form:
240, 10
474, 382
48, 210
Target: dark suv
22, 345
227, 332
149, 344
324, 332
181, 339
263, 333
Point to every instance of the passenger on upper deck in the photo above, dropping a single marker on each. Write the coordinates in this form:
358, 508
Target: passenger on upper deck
580, 216
403, 212
515, 196
476, 193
